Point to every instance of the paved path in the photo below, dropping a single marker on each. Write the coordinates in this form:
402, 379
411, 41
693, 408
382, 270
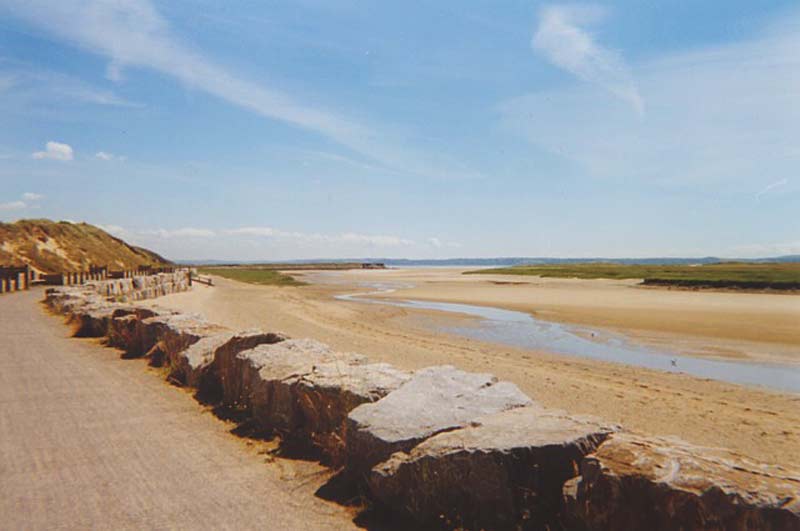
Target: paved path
89, 440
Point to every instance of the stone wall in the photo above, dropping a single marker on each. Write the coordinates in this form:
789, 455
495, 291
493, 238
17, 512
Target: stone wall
440, 447
125, 289
142, 287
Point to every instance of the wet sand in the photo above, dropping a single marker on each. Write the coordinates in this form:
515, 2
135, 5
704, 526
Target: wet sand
757, 423
742, 326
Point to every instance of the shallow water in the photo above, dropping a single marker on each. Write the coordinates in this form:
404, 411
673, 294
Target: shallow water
520, 329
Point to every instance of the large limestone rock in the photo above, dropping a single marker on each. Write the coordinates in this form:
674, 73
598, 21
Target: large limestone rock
504, 470
66, 300
303, 390
434, 400
127, 330
194, 365
198, 357
327, 393
165, 336
93, 320
238, 373
88, 312
634, 482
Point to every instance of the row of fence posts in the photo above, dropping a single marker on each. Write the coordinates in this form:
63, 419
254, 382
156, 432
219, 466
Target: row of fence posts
141, 271
16, 278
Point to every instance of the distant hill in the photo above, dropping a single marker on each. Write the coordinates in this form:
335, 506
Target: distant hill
59, 246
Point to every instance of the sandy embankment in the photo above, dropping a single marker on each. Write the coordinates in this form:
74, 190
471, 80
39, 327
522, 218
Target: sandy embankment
757, 423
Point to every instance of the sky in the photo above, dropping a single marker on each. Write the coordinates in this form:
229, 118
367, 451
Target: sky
269, 130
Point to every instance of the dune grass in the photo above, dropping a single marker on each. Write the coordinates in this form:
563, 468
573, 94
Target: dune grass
253, 275
782, 276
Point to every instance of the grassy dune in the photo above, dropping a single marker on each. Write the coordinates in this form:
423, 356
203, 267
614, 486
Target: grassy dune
253, 275
60, 246
737, 275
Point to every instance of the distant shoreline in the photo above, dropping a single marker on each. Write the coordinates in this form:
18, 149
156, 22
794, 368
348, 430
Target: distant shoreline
500, 261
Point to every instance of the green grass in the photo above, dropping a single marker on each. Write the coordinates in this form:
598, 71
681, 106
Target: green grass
784, 276
253, 275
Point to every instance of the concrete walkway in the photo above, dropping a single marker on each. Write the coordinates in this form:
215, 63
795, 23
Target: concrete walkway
91, 441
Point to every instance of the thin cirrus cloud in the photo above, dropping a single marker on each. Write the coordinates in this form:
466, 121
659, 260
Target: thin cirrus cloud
561, 37
103, 155
186, 232
133, 33
723, 115
13, 205
22, 85
161, 233
300, 238
55, 151
438, 243
303, 237
770, 187
29, 199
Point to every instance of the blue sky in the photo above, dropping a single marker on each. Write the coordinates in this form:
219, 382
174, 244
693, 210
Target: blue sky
277, 130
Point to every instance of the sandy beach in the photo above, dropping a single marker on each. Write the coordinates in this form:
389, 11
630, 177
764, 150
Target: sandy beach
749, 326
752, 421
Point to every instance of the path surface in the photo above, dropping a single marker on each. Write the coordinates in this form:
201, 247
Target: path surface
89, 440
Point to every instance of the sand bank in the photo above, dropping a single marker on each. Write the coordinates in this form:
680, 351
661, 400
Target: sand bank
748, 326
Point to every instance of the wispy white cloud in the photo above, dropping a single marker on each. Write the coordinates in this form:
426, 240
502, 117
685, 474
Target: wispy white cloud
55, 151
133, 33
13, 205
305, 237
770, 187
270, 243
29, 199
185, 232
438, 243
253, 231
23, 84
116, 230
723, 114
159, 233
102, 155
563, 39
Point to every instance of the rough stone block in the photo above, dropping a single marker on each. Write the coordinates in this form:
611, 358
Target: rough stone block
330, 391
127, 330
168, 335
434, 400
93, 320
504, 470
635, 482
238, 372
195, 364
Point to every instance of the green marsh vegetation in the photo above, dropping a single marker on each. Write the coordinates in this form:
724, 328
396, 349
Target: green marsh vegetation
253, 275
734, 275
